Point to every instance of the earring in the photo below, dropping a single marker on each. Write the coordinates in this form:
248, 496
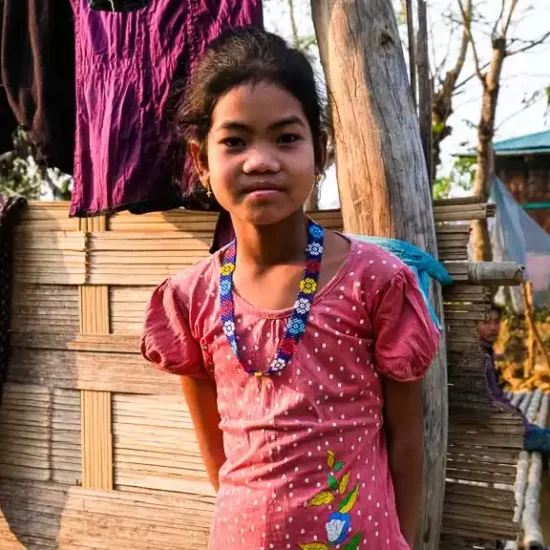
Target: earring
317, 179
208, 188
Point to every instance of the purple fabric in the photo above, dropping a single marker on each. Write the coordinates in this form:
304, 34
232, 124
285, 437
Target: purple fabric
126, 66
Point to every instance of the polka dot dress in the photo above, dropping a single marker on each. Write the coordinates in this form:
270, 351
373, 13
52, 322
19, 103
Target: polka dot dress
306, 461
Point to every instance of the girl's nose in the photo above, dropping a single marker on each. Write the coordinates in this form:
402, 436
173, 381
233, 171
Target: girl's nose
262, 160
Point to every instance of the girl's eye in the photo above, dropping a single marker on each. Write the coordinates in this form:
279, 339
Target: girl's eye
288, 138
233, 142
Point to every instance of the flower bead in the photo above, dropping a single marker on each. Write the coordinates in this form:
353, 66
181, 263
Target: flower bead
308, 286
288, 346
278, 364
296, 326
314, 249
229, 328
316, 231
227, 269
313, 266
338, 527
302, 306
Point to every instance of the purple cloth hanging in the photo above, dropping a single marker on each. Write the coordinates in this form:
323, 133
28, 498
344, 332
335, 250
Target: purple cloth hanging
126, 67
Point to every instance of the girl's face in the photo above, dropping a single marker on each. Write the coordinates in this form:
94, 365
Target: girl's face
260, 154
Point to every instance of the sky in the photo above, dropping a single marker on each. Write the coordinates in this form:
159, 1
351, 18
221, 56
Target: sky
523, 74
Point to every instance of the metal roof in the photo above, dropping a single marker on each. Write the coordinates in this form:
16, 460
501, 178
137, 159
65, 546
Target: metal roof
530, 144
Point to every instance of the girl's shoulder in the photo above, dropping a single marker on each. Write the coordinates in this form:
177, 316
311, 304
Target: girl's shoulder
373, 264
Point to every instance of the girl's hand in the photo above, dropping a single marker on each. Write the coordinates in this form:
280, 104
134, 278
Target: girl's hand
405, 441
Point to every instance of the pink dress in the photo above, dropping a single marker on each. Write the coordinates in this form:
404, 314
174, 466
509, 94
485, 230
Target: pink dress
307, 466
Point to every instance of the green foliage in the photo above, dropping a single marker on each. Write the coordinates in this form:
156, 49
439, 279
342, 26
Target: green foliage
461, 177
24, 172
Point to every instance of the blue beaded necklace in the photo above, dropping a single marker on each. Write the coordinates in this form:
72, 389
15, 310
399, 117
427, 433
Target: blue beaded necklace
298, 320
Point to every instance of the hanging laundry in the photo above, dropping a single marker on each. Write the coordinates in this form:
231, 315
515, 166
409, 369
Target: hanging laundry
37, 57
126, 67
7, 120
117, 5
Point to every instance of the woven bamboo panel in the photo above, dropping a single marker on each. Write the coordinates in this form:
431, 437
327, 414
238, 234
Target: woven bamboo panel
155, 445
45, 309
50, 516
40, 434
162, 498
127, 306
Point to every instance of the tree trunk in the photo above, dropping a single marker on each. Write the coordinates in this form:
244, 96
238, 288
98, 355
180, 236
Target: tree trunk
383, 184
485, 157
424, 89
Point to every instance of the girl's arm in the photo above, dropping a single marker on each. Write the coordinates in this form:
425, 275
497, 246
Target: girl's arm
405, 441
201, 397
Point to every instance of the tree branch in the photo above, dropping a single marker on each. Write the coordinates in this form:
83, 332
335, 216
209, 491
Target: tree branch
467, 21
498, 19
473, 75
293, 26
412, 51
530, 44
509, 19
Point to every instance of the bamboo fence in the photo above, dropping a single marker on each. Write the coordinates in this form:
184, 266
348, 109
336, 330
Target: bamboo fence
97, 449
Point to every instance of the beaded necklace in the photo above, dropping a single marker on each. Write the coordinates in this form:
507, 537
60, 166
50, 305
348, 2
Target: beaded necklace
298, 320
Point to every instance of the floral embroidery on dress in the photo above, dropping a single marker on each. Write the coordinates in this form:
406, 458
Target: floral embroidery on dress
339, 524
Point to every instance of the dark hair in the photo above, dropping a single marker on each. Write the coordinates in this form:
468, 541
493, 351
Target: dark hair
242, 56
495, 308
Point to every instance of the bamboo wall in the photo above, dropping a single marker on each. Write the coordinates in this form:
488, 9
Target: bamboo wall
97, 448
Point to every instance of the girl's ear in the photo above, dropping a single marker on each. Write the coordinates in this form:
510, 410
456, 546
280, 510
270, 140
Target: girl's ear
200, 162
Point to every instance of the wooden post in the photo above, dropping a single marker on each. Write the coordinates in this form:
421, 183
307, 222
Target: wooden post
382, 179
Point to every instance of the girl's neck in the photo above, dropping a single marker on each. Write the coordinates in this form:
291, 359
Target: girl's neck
268, 245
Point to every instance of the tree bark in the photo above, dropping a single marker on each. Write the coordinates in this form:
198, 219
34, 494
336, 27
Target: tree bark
382, 179
424, 89
485, 156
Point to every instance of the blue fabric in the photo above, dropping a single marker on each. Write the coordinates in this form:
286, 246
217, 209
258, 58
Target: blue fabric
423, 265
537, 439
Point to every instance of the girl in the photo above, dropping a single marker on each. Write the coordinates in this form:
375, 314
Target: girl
300, 351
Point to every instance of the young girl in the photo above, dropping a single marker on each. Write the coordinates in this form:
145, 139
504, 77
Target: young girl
301, 351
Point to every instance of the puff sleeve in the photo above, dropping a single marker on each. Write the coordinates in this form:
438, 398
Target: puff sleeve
405, 337
167, 341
